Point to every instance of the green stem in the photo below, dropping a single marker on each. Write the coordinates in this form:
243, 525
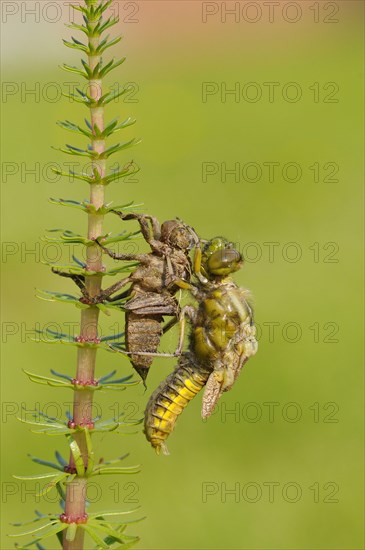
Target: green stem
83, 399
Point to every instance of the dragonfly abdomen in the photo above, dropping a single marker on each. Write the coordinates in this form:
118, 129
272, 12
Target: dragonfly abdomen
170, 399
142, 333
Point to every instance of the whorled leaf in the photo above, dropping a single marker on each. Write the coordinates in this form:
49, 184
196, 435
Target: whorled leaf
129, 169
50, 296
75, 70
71, 127
67, 236
117, 148
49, 336
53, 521
82, 271
77, 45
70, 237
105, 44
45, 380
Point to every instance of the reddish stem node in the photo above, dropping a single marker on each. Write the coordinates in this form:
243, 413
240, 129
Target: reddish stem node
84, 383
86, 423
65, 518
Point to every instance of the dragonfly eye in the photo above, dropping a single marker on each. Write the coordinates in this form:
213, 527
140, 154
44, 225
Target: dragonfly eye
223, 262
176, 234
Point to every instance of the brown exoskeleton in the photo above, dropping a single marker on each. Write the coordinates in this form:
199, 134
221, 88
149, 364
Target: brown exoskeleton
152, 292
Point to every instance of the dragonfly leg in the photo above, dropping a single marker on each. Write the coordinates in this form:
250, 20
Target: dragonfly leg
127, 257
142, 353
107, 292
186, 312
169, 325
152, 233
124, 294
79, 280
103, 296
198, 265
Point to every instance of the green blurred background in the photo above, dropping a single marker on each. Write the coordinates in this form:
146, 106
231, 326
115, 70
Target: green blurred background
291, 451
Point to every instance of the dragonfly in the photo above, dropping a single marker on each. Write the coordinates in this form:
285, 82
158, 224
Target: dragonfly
152, 290
222, 339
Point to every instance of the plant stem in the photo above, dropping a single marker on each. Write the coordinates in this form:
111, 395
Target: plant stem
86, 358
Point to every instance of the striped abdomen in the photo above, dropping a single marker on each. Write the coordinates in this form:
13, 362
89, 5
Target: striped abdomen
170, 399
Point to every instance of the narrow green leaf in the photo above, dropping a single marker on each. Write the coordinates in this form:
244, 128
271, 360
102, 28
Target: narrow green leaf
77, 456
110, 67
50, 296
115, 176
116, 470
100, 9
107, 24
74, 176
45, 463
76, 46
53, 530
116, 460
94, 535
60, 491
118, 147
68, 202
77, 99
112, 513
52, 484
104, 44
39, 517
127, 122
45, 380
112, 96
87, 68
112, 337
90, 452
74, 70
71, 127
107, 376
38, 529
36, 476
129, 206
71, 532
61, 375
81, 28
66, 235
60, 459
106, 530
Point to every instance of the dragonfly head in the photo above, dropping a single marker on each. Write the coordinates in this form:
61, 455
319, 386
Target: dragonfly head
177, 234
220, 258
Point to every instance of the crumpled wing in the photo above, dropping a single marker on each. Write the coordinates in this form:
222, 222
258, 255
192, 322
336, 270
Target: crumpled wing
152, 304
220, 380
212, 393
